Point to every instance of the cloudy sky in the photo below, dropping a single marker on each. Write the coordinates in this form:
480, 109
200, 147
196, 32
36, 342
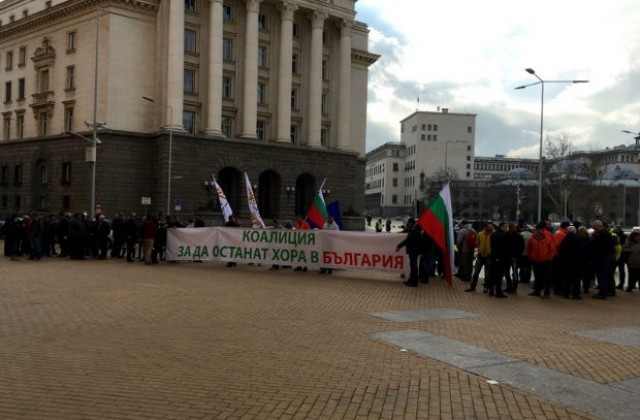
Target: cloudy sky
469, 55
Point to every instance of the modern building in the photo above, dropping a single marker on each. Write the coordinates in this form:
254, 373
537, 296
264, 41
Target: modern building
178, 91
433, 146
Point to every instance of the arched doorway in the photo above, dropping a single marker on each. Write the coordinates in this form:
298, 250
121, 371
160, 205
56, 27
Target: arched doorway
269, 194
305, 191
230, 180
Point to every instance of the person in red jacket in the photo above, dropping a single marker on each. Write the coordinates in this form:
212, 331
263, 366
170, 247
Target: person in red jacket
540, 251
149, 229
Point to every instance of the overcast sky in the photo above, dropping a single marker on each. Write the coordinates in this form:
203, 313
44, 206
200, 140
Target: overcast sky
469, 55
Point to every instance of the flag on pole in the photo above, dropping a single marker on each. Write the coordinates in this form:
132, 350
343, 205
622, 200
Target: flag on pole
256, 220
224, 204
437, 221
317, 213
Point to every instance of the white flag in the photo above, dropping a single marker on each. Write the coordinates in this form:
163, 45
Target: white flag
256, 220
224, 204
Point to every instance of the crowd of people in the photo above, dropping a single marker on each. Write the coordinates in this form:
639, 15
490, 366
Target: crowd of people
79, 237
568, 261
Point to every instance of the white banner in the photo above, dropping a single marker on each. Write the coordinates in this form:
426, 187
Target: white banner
308, 248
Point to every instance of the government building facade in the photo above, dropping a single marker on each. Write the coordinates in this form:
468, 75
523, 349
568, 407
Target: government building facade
177, 92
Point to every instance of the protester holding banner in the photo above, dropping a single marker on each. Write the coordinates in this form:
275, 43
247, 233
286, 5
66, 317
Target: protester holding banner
231, 222
412, 245
301, 224
330, 224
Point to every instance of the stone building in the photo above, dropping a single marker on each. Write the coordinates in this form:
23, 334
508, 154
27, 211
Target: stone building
177, 91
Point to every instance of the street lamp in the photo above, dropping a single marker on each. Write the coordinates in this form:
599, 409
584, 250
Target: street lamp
541, 82
146, 98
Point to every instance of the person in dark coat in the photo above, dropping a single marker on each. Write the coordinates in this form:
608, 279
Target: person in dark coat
412, 244
131, 233
500, 259
101, 232
570, 258
76, 237
117, 226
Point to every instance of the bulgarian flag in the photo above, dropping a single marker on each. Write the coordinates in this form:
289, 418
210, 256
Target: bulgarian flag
317, 213
437, 221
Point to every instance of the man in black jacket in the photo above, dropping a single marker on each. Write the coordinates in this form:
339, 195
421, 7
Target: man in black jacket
500, 258
412, 244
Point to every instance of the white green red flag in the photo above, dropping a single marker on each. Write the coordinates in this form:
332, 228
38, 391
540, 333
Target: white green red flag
224, 204
437, 221
317, 213
254, 212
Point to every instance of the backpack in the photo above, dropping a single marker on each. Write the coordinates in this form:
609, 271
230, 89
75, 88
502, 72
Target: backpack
472, 236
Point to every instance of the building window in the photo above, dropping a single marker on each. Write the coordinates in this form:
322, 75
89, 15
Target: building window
44, 123
17, 201
66, 202
189, 121
324, 136
44, 176
190, 6
226, 13
7, 92
295, 29
468, 148
17, 175
66, 173
9, 61
294, 99
394, 199
4, 175
71, 79
262, 22
43, 81
261, 130
294, 134
21, 89
469, 129
262, 56
68, 118
227, 49
324, 104
43, 203
22, 56
394, 182
6, 128
71, 41
325, 38
395, 166
423, 137
190, 41
189, 80
435, 137
262, 93
325, 70
424, 127
435, 127
20, 126
25, 13
295, 63
226, 126
226, 87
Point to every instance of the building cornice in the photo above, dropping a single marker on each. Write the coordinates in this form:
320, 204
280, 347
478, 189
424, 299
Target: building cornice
68, 8
363, 57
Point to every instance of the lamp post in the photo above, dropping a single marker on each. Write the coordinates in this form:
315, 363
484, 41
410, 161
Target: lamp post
542, 82
146, 98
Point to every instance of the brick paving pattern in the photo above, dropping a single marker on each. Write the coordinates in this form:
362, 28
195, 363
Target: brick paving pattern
111, 340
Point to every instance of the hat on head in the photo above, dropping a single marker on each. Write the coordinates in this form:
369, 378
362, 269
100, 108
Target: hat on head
541, 225
565, 224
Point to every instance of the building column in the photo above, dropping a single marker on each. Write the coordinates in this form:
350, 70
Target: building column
344, 93
314, 118
283, 130
250, 88
175, 64
213, 122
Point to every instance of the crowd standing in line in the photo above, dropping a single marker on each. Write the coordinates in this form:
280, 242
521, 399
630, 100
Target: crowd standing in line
568, 261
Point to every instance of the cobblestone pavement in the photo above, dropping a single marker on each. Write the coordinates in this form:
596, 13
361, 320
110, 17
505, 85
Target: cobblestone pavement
116, 340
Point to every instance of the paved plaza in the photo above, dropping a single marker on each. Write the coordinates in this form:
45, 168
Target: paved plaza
115, 340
